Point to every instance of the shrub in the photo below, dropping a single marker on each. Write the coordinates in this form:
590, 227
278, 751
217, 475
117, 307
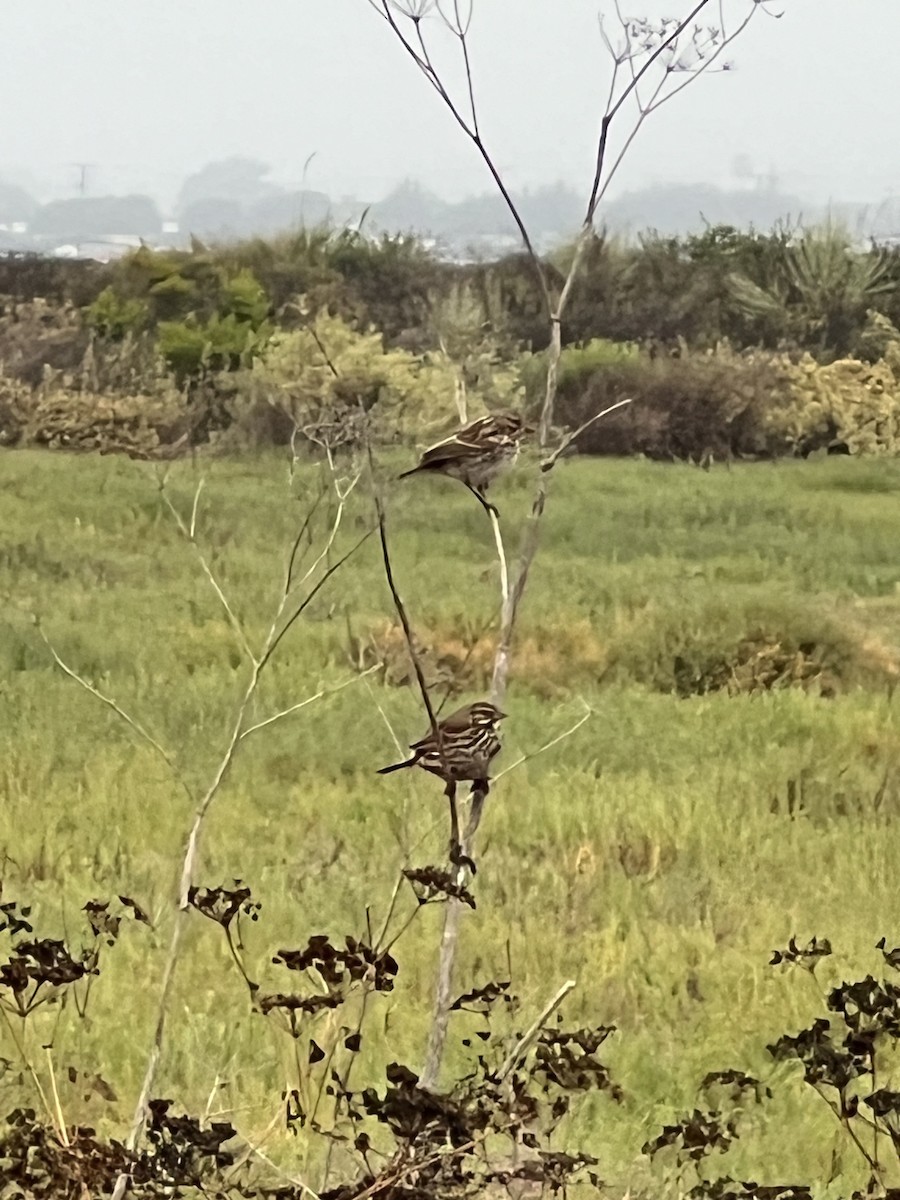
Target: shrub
457, 656
685, 407
64, 418
385, 282
14, 402
37, 334
752, 645
817, 291
320, 377
222, 343
577, 366
113, 316
208, 319
848, 404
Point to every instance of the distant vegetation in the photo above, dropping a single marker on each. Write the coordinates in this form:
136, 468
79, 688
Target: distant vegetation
731, 344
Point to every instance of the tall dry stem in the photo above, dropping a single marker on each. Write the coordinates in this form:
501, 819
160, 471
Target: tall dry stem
653, 54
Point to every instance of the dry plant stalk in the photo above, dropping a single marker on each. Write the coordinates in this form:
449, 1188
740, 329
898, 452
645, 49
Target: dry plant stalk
295, 597
656, 60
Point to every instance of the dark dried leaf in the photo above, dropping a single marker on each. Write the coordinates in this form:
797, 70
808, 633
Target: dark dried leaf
432, 884
303, 1004
803, 956
316, 1053
222, 905
823, 1061
694, 1136
355, 963
137, 912
482, 999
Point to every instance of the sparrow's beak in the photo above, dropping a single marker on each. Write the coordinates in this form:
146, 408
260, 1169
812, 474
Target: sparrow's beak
500, 715
529, 428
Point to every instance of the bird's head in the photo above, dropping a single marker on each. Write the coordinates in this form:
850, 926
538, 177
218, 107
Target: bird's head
512, 423
485, 714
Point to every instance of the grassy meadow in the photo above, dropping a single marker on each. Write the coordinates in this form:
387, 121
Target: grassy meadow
658, 855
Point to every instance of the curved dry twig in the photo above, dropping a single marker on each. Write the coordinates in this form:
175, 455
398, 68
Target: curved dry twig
561, 737
549, 463
319, 695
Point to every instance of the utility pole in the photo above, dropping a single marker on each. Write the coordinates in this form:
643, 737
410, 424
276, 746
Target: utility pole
82, 169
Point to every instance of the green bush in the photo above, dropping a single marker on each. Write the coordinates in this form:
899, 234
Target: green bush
385, 282
114, 316
206, 317
577, 367
320, 378
749, 645
222, 343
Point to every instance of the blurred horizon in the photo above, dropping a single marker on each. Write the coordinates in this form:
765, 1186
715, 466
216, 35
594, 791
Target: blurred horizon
294, 111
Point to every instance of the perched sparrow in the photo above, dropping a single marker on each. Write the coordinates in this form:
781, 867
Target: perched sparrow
463, 749
477, 453
465, 744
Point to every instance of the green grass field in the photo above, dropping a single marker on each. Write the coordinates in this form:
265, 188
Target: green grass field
658, 855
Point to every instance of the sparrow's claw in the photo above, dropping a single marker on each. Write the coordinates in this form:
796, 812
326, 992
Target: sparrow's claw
458, 859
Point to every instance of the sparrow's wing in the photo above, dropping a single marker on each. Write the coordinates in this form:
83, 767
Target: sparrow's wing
475, 430
458, 720
446, 452
453, 724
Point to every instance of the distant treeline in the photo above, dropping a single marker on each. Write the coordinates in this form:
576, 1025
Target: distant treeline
235, 198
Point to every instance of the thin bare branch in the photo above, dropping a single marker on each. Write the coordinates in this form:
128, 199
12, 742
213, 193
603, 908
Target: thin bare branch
643, 113
501, 559
443, 991
423, 62
326, 548
117, 709
307, 520
276, 632
397, 743
460, 29
193, 526
188, 532
322, 692
314, 334
398, 603
35, 1078
272, 642
54, 1091
561, 737
549, 463
611, 112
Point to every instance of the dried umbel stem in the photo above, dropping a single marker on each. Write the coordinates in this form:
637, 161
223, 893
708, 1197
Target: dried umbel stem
664, 57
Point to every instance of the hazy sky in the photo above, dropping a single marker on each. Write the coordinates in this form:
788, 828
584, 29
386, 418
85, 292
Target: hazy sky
149, 91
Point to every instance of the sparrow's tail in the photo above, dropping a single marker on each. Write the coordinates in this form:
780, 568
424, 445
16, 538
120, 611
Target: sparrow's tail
412, 471
410, 762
